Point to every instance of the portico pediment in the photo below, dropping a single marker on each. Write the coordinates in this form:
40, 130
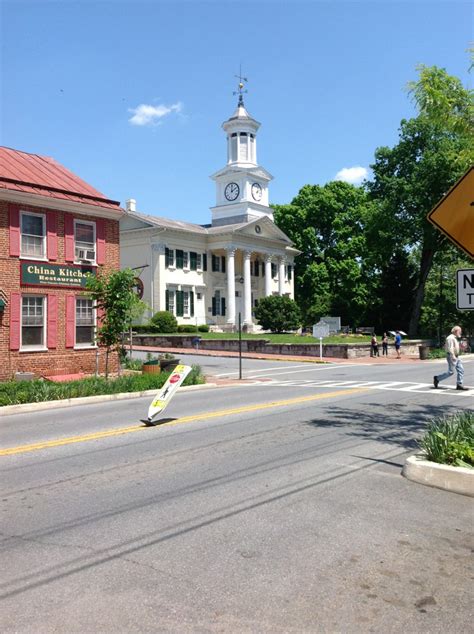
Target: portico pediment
263, 228
257, 172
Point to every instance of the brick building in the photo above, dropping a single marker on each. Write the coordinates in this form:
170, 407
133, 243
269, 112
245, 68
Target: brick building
55, 229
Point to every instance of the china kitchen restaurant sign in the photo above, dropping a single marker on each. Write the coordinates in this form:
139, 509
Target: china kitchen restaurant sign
34, 274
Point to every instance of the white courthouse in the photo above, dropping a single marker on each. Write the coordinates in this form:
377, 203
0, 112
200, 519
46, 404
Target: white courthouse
207, 274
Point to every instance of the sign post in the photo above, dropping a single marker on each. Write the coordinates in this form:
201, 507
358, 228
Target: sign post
320, 331
465, 289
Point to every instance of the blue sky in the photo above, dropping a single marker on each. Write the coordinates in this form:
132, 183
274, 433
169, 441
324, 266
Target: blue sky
326, 80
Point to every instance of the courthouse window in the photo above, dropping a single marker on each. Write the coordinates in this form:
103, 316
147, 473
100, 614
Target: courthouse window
32, 322
33, 235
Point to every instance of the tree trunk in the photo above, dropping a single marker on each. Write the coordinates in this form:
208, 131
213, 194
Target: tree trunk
427, 255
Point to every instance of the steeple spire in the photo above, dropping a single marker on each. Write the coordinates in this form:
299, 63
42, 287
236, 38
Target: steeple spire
240, 90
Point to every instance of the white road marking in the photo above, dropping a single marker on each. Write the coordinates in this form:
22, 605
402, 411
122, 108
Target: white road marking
283, 367
325, 368
393, 386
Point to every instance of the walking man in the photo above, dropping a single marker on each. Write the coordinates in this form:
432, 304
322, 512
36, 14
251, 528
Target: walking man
454, 362
398, 343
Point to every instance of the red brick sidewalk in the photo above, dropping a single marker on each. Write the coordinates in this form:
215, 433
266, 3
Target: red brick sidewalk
279, 357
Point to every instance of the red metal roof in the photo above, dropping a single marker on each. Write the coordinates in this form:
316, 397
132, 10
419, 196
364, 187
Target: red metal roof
42, 175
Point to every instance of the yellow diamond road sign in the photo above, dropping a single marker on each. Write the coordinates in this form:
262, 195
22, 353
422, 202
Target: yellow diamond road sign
454, 214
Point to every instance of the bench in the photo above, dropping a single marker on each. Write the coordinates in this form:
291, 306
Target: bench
365, 330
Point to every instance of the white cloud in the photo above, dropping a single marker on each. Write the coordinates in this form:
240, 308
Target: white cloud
354, 175
145, 114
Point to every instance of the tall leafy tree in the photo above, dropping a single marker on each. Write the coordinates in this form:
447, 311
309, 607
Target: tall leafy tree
327, 223
433, 151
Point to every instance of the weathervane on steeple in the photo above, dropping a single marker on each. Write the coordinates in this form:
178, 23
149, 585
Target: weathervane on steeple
240, 90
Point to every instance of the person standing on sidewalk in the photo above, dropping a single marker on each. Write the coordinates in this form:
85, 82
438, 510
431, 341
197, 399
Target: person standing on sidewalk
454, 362
398, 343
385, 345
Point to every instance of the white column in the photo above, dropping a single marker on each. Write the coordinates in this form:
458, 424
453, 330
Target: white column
230, 268
281, 276
247, 289
268, 275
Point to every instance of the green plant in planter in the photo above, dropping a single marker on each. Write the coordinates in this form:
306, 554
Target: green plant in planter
450, 440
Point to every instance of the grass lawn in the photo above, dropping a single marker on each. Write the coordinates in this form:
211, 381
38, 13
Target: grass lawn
280, 338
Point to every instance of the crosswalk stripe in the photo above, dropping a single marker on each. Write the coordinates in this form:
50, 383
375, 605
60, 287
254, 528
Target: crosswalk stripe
396, 386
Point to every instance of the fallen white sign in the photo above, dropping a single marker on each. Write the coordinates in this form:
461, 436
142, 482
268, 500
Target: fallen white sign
166, 393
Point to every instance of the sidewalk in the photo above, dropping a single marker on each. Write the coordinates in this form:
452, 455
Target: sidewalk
277, 357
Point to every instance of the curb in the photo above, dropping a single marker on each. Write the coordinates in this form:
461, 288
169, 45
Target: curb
441, 476
89, 400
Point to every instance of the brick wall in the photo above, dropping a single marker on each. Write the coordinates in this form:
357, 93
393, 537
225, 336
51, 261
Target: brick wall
61, 359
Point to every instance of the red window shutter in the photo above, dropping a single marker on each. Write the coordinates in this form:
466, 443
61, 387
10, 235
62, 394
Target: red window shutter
52, 235
52, 320
100, 237
70, 320
68, 238
100, 316
15, 320
14, 230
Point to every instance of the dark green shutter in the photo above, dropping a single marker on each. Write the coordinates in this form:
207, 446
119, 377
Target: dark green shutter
274, 270
167, 258
290, 271
167, 293
193, 261
214, 306
263, 269
191, 303
204, 261
179, 303
257, 268
223, 263
179, 259
223, 306
214, 263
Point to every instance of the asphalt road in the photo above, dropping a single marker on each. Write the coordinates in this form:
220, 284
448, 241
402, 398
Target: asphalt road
272, 506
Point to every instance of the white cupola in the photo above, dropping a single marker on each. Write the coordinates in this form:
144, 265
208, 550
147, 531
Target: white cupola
242, 185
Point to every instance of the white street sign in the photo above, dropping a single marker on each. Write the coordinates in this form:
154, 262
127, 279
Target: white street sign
465, 289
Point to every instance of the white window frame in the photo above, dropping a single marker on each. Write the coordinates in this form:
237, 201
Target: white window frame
41, 347
93, 344
186, 260
198, 262
172, 301
171, 260
186, 304
25, 256
94, 229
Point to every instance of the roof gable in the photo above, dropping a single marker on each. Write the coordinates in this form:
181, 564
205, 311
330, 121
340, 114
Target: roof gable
43, 176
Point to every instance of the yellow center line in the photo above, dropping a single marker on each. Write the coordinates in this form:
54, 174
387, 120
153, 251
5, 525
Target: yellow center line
185, 419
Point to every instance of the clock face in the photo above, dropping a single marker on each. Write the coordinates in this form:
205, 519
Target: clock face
231, 191
257, 191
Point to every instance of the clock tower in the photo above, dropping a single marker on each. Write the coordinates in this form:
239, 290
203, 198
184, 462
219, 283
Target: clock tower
242, 185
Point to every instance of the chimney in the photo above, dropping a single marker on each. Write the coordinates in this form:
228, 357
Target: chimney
131, 204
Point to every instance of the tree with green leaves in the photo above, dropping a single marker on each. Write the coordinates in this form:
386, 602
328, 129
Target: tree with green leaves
278, 313
327, 223
117, 305
433, 151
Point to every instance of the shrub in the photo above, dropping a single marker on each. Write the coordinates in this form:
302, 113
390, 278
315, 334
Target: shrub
450, 440
17, 392
203, 328
187, 328
164, 321
278, 313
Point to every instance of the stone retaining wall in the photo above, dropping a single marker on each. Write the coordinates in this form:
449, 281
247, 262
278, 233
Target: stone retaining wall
338, 351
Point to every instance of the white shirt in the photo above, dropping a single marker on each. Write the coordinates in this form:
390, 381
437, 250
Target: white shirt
452, 346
